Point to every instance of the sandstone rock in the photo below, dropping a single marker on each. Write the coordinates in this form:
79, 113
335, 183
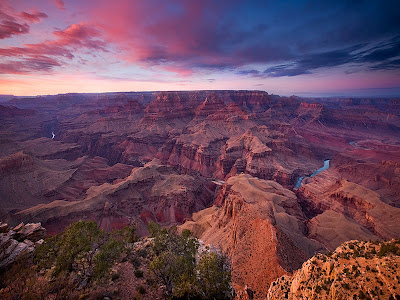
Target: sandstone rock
12, 112
258, 224
154, 192
333, 228
12, 247
16, 162
362, 208
355, 270
4, 228
32, 231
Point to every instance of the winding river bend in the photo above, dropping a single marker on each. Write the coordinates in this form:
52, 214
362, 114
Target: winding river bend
326, 166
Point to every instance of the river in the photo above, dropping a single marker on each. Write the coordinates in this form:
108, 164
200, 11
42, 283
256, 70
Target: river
355, 145
326, 166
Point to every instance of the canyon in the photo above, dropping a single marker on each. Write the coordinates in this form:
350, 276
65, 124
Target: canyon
224, 164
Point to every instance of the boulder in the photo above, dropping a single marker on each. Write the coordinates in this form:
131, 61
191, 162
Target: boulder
4, 227
32, 231
19, 243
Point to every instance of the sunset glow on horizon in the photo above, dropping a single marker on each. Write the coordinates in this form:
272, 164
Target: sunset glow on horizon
297, 47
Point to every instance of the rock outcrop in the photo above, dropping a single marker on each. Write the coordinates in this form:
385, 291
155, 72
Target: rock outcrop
12, 112
16, 162
355, 270
365, 215
258, 224
19, 242
151, 193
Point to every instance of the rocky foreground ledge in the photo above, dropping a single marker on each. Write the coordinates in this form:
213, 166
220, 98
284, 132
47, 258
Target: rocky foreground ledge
355, 270
19, 242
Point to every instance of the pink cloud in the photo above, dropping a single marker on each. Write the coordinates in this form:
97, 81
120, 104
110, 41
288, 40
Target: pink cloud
82, 35
182, 71
155, 32
34, 17
60, 4
39, 56
10, 28
41, 63
75, 36
12, 23
9, 23
33, 50
11, 68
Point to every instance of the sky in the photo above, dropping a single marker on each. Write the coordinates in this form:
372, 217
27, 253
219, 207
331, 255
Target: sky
305, 48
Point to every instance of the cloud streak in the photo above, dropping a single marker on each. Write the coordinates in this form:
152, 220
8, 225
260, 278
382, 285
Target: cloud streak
60, 4
12, 23
34, 17
42, 56
10, 28
28, 65
381, 57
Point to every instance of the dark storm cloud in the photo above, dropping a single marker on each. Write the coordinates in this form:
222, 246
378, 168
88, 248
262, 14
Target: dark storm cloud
308, 63
388, 65
285, 70
383, 51
249, 72
377, 57
312, 35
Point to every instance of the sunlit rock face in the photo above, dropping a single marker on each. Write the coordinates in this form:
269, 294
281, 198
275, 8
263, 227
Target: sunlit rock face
260, 225
354, 270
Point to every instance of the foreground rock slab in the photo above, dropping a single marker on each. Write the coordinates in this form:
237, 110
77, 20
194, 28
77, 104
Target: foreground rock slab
19, 242
355, 270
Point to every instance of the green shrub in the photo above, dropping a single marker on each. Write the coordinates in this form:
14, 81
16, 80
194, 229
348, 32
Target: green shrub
45, 254
77, 246
346, 286
174, 259
389, 248
138, 273
142, 253
174, 264
141, 289
213, 276
83, 248
106, 256
114, 276
135, 261
318, 289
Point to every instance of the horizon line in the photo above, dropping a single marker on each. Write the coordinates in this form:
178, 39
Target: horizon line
299, 95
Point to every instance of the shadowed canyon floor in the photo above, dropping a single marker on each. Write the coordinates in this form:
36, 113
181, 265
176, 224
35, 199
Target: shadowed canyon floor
223, 164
